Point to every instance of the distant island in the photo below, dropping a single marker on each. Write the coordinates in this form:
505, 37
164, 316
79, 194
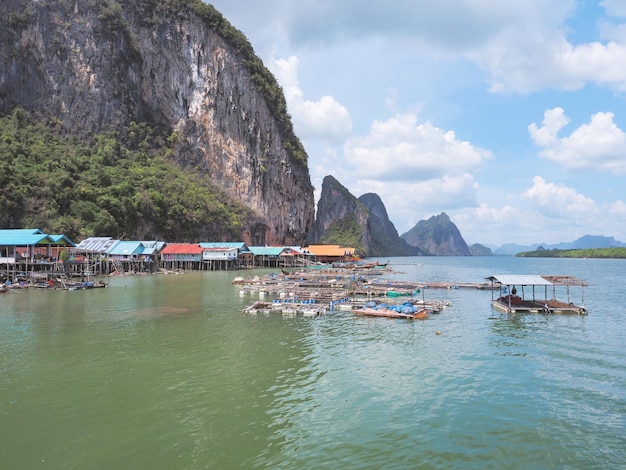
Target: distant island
613, 252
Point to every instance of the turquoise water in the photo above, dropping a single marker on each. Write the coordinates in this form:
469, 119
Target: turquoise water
166, 372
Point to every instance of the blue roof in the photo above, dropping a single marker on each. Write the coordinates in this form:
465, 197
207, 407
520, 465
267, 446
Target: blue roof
152, 247
23, 237
266, 250
62, 240
126, 248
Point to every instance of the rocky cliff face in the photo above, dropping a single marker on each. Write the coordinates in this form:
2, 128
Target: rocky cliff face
360, 223
98, 65
437, 236
341, 218
385, 240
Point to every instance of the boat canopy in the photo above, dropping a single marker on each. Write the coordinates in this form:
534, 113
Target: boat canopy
534, 280
520, 280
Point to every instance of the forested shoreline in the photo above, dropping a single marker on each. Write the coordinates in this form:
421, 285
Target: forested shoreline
613, 252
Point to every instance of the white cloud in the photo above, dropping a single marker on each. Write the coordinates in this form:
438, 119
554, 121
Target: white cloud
365, 62
324, 119
524, 61
401, 149
492, 225
614, 7
523, 46
618, 209
553, 121
417, 169
556, 201
599, 145
544, 213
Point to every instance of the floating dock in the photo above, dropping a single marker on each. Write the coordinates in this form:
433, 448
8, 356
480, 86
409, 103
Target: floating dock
530, 302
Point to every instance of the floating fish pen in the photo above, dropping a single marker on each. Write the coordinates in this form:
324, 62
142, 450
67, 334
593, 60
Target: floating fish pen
297, 309
336, 292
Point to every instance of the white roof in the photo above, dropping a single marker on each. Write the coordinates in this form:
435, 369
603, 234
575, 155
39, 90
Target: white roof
520, 280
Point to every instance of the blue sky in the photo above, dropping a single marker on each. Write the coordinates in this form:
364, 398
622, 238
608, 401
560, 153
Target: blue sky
509, 116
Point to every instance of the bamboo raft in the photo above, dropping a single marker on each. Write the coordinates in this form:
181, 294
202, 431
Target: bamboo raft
286, 309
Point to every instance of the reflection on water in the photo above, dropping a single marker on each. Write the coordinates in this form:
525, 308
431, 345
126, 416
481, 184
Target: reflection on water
166, 372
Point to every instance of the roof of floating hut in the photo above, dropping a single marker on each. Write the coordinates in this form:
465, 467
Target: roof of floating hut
62, 240
267, 250
226, 245
182, 249
330, 250
565, 281
96, 245
535, 280
126, 248
152, 247
29, 236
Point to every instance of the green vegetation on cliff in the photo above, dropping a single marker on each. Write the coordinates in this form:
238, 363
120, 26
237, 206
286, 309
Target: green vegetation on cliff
615, 252
112, 185
345, 232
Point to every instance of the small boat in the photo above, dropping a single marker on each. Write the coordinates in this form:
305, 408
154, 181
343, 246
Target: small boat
406, 310
71, 285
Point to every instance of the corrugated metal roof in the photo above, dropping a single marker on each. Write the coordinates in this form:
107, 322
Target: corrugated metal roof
24, 237
266, 250
330, 250
182, 249
152, 247
96, 245
127, 248
21, 231
239, 245
218, 249
62, 239
520, 280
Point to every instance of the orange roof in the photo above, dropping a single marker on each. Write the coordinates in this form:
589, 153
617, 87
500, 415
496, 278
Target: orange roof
182, 249
330, 250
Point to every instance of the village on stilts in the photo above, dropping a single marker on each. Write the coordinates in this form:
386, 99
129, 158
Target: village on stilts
309, 281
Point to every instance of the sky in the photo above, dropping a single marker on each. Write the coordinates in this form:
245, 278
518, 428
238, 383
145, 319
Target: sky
509, 116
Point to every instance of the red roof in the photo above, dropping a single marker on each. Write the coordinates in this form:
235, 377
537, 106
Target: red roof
182, 249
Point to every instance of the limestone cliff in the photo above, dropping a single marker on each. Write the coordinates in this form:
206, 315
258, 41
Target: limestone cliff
341, 219
361, 223
385, 240
100, 65
437, 236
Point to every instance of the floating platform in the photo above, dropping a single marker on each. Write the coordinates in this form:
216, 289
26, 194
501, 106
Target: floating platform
294, 309
528, 302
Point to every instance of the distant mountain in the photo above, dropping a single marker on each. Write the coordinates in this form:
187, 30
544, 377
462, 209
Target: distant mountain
384, 237
513, 248
586, 241
360, 223
480, 250
437, 236
341, 219
597, 241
